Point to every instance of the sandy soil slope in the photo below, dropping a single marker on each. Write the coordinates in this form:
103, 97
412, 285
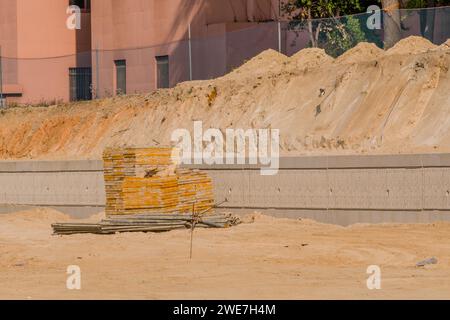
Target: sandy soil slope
366, 101
268, 259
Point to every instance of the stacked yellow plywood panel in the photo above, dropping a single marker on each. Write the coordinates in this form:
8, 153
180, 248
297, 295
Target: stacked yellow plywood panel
145, 181
194, 185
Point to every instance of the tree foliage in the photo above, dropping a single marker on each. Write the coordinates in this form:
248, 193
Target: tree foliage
309, 9
324, 22
413, 4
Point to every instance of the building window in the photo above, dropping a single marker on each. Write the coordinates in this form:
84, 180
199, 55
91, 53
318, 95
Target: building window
162, 72
121, 76
82, 4
80, 84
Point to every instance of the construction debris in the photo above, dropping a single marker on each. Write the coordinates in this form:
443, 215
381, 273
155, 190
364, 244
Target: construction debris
147, 223
425, 262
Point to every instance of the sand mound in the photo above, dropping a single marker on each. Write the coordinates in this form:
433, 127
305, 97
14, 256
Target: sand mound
267, 61
397, 105
35, 216
310, 58
362, 52
411, 45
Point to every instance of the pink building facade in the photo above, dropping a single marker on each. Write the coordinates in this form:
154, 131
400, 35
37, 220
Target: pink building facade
38, 50
122, 46
142, 45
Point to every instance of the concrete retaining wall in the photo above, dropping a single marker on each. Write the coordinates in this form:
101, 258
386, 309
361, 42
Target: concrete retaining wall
52, 183
74, 187
367, 189
403, 182
342, 184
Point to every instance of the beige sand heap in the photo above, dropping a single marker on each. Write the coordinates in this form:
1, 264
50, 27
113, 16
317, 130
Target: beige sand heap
37, 216
310, 58
267, 61
361, 52
411, 45
146, 181
398, 103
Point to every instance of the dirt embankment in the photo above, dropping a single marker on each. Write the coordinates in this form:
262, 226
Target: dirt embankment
366, 101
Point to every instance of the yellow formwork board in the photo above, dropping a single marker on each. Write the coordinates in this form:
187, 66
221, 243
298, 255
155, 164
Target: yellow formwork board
130, 190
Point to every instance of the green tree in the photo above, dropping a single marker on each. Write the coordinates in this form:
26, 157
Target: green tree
343, 36
305, 11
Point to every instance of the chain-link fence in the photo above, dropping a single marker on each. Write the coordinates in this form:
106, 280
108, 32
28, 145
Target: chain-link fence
105, 73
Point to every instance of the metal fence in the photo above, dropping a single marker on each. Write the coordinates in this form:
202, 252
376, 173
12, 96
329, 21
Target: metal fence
104, 73
80, 81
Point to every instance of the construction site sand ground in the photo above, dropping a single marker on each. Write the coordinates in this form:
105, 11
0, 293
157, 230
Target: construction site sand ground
268, 259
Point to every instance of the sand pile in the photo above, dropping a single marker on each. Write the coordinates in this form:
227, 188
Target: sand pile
25, 224
411, 45
398, 103
362, 52
266, 62
40, 216
310, 58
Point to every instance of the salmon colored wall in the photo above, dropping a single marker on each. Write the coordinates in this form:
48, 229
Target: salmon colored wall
32, 32
45, 49
42, 30
160, 27
8, 41
124, 24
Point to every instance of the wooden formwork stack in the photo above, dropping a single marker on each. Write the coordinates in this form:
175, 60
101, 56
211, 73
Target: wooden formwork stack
147, 181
